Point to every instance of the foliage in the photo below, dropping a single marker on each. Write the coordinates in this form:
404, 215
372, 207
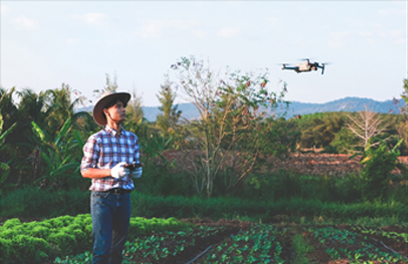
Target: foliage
111, 85
169, 118
4, 166
37, 242
402, 124
30, 202
345, 141
36, 203
301, 248
134, 111
57, 154
260, 244
336, 243
379, 163
216, 208
232, 110
60, 107
320, 132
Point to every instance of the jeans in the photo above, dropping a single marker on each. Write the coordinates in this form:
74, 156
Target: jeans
110, 224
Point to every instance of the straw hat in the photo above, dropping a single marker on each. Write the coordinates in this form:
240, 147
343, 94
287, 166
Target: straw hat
105, 99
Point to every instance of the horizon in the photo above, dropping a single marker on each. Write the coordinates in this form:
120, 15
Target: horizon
352, 97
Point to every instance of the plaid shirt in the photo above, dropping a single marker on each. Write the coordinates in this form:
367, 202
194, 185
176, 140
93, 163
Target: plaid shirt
104, 150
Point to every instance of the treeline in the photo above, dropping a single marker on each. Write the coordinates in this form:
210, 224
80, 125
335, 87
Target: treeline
240, 123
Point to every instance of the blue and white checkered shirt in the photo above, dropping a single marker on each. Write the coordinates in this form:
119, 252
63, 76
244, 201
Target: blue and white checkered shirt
104, 150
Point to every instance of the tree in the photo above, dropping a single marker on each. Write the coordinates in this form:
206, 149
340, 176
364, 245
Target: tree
232, 110
367, 125
167, 121
9, 116
134, 109
59, 155
4, 166
320, 132
111, 85
60, 107
378, 166
402, 126
32, 106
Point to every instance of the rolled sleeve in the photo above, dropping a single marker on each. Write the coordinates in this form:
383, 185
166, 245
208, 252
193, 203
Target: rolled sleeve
91, 154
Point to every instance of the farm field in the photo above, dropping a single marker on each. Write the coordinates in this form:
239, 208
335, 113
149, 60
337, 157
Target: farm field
304, 163
232, 241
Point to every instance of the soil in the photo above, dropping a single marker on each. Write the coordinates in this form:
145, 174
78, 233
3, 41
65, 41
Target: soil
304, 163
195, 254
319, 255
227, 228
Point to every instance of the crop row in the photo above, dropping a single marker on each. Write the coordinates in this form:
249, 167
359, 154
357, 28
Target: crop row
38, 242
402, 237
261, 244
355, 247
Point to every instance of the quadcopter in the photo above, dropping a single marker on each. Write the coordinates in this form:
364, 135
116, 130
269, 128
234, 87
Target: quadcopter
305, 66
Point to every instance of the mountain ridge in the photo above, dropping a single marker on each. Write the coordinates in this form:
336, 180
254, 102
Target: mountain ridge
347, 104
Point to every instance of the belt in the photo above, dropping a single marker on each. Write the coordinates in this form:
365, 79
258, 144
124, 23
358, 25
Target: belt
119, 191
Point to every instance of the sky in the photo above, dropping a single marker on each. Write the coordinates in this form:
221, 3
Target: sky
46, 43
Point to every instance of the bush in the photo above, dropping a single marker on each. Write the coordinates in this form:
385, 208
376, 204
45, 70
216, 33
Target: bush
37, 242
35, 203
375, 175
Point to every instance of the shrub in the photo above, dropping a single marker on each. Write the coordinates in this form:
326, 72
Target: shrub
375, 175
37, 242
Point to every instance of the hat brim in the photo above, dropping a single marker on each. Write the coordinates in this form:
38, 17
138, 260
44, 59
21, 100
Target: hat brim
97, 112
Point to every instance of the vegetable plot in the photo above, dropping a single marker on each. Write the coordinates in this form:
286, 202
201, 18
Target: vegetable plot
172, 241
336, 245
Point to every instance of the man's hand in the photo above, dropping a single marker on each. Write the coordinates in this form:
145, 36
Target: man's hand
119, 171
136, 173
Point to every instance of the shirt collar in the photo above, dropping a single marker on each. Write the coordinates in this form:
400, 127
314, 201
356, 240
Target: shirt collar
113, 131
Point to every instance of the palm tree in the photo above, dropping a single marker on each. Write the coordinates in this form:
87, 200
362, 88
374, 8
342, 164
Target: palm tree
61, 107
32, 106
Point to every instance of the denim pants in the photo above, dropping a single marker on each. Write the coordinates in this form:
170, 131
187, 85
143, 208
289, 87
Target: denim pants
110, 224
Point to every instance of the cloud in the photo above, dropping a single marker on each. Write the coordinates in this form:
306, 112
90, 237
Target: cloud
72, 41
23, 22
273, 20
155, 28
339, 39
201, 34
229, 32
392, 12
95, 18
398, 36
4, 10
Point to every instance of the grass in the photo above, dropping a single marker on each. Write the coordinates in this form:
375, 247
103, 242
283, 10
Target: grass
34, 203
301, 248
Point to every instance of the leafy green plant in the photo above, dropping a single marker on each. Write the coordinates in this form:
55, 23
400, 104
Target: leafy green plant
232, 109
56, 154
37, 242
301, 247
378, 165
4, 166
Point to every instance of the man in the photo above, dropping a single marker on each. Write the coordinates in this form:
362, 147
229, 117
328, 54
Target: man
105, 155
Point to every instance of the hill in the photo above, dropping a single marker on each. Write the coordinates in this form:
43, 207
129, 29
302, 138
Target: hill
348, 104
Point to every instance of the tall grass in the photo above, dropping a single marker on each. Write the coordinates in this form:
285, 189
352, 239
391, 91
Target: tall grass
35, 203
269, 198
344, 189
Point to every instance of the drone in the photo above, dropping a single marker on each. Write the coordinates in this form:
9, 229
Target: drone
305, 66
